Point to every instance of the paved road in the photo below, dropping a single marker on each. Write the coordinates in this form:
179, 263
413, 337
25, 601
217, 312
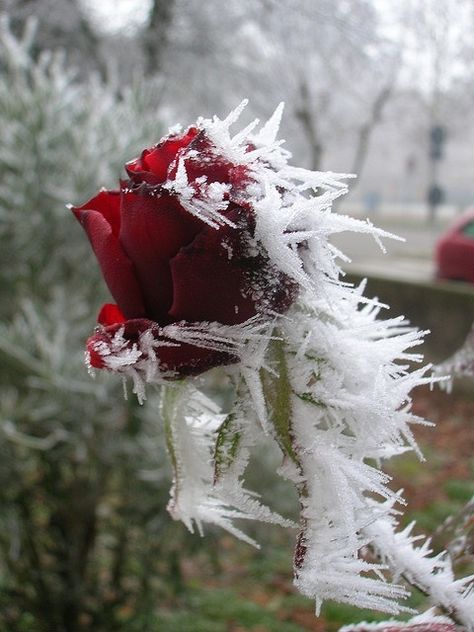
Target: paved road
412, 259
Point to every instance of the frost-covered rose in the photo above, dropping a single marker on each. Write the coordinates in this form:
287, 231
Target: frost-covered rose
176, 246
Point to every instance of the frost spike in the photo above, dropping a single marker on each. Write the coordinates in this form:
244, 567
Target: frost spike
267, 135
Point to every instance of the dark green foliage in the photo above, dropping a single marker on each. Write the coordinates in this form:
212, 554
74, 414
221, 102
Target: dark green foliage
83, 474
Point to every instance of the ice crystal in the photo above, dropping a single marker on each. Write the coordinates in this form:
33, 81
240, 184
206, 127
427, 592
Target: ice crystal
205, 201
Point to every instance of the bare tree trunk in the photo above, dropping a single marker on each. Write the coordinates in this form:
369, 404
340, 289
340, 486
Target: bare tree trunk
365, 131
307, 117
157, 34
90, 39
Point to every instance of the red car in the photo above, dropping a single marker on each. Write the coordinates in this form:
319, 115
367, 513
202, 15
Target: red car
455, 250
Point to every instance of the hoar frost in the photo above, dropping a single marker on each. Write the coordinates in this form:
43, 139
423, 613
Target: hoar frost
329, 381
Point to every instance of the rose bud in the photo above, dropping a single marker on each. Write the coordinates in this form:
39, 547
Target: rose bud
176, 245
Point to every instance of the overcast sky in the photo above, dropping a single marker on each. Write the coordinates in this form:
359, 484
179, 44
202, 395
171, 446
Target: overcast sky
116, 15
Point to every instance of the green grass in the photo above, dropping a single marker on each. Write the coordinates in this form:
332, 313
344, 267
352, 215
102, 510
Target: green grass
213, 611
459, 491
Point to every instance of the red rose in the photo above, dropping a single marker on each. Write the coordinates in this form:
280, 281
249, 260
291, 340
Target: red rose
175, 245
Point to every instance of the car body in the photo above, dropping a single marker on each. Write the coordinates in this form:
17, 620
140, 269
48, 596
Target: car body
455, 250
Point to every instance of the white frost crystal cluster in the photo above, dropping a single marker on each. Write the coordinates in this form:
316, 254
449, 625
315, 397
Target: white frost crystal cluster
329, 381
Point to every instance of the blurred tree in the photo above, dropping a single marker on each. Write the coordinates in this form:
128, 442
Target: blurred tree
327, 52
83, 486
326, 60
62, 25
155, 39
441, 37
337, 65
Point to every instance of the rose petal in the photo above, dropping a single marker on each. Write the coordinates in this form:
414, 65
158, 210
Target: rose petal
120, 346
95, 359
107, 203
222, 275
105, 348
201, 159
210, 276
139, 173
153, 230
187, 360
117, 269
110, 314
152, 166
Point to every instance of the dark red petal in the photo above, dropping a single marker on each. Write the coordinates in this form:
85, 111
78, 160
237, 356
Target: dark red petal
99, 346
116, 267
110, 314
222, 276
165, 152
187, 360
208, 288
157, 162
210, 277
95, 359
202, 159
182, 360
153, 230
239, 177
107, 203
136, 169
152, 166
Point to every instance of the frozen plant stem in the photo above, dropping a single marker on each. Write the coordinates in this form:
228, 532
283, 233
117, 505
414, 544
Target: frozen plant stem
278, 396
316, 369
431, 574
277, 391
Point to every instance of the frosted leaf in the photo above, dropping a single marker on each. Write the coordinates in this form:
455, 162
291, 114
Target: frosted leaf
197, 497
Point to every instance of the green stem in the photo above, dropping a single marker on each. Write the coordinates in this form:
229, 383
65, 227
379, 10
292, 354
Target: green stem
169, 399
278, 392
